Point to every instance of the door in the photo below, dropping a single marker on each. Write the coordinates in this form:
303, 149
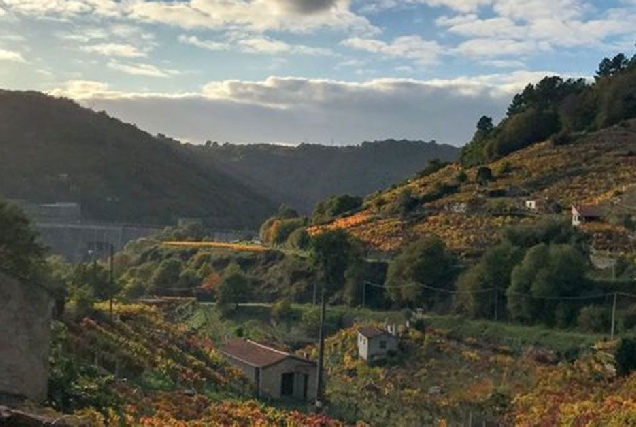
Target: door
287, 384
305, 385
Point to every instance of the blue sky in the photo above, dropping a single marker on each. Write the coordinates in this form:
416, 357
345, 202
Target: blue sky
291, 71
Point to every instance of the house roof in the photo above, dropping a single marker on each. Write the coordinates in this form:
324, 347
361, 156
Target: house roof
372, 332
257, 355
590, 211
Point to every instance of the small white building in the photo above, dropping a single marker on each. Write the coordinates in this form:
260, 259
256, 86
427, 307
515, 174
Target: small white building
585, 213
534, 205
374, 344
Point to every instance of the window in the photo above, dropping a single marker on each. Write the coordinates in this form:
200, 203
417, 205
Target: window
383, 345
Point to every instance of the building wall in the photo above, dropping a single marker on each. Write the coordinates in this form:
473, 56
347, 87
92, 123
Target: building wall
25, 316
372, 350
271, 378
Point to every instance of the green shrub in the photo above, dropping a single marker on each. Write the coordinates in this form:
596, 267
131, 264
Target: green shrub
282, 310
625, 356
595, 319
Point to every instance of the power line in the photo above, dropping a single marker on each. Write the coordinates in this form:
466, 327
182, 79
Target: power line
480, 291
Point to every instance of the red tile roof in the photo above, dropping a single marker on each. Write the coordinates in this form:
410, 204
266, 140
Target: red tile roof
589, 211
372, 332
255, 354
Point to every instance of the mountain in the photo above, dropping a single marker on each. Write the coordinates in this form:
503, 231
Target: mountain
467, 208
304, 175
56, 151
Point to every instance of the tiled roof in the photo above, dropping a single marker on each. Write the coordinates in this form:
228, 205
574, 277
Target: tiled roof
590, 211
255, 354
371, 332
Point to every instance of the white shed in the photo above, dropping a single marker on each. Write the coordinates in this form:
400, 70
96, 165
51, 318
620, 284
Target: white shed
374, 344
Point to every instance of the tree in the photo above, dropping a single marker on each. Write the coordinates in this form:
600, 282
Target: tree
544, 282
333, 253
21, 255
484, 175
234, 289
166, 276
421, 267
492, 271
334, 206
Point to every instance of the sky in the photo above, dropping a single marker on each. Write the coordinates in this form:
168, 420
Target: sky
304, 71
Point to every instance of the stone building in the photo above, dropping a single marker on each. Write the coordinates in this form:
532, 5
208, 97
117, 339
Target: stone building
275, 374
374, 344
25, 316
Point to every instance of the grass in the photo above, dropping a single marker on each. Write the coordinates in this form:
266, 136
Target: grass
255, 321
515, 336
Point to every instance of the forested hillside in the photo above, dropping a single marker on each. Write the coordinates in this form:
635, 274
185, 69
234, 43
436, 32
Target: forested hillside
302, 176
55, 150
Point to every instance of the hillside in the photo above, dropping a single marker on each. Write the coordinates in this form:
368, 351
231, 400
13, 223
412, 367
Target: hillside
594, 168
302, 176
144, 369
59, 151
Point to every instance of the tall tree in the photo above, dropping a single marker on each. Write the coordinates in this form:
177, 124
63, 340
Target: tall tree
421, 272
21, 255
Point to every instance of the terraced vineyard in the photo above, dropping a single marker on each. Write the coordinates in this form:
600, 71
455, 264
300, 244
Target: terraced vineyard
598, 168
142, 369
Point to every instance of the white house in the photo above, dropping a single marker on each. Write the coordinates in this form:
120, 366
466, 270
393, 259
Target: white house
585, 213
534, 205
374, 344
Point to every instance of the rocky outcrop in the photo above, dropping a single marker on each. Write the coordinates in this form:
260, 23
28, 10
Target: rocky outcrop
25, 318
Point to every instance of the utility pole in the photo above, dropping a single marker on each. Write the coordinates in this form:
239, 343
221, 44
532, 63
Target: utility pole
613, 316
110, 280
496, 303
320, 387
314, 300
364, 296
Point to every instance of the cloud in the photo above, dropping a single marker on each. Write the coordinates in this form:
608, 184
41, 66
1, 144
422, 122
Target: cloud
2, 12
140, 69
293, 110
114, 49
495, 48
260, 45
410, 47
307, 7
457, 5
257, 15
203, 44
11, 56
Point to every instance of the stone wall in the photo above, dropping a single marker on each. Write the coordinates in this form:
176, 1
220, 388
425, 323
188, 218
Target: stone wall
25, 316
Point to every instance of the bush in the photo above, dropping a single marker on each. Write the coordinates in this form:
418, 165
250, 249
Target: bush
595, 319
283, 310
562, 138
625, 356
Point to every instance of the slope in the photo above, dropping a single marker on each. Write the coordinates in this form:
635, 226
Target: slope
55, 150
302, 176
596, 168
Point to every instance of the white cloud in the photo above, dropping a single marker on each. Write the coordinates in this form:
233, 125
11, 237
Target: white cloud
261, 45
410, 47
495, 48
82, 89
203, 44
257, 15
292, 109
140, 69
114, 49
2, 12
457, 5
12, 56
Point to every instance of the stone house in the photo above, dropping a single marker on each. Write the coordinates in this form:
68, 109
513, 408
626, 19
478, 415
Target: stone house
275, 374
585, 213
374, 344
25, 315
